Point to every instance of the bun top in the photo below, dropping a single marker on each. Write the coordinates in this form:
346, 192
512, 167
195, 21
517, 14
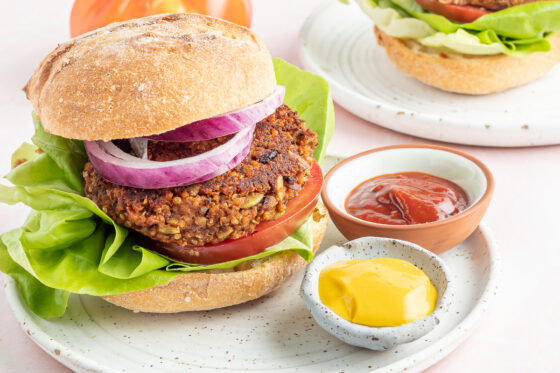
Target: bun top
148, 76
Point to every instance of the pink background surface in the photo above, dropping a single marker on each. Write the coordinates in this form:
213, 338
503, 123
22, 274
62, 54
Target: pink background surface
521, 330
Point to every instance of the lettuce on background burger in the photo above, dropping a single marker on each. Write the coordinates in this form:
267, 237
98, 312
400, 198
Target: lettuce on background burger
174, 168
469, 46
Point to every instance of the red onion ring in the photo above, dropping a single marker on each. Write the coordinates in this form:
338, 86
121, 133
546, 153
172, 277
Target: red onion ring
225, 124
118, 167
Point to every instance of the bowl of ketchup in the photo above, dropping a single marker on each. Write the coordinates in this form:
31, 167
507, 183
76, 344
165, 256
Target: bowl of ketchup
431, 195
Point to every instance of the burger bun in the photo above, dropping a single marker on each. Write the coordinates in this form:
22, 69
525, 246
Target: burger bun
474, 75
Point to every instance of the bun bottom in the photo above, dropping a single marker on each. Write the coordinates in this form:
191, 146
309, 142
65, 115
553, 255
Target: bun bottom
475, 75
201, 291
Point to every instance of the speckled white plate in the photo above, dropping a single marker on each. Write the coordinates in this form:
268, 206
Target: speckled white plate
337, 42
276, 332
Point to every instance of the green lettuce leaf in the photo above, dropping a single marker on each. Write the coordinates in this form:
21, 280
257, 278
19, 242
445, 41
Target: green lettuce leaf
25, 152
68, 245
318, 113
42, 300
69, 156
516, 31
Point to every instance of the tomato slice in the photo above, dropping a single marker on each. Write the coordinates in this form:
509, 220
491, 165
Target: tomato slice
89, 15
265, 235
457, 13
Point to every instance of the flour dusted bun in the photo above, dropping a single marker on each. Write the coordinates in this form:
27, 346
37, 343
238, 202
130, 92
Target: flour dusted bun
148, 76
204, 291
474, 75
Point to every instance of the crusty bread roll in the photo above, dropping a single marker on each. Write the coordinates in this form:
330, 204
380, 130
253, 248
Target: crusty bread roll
149, 76
473, 75
203, 291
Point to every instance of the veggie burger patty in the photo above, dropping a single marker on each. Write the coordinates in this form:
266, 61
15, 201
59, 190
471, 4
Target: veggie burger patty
227, 207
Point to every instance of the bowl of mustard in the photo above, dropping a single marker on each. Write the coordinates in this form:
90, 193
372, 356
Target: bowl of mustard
376, 292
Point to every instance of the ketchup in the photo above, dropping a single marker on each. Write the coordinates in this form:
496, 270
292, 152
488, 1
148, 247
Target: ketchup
406, 198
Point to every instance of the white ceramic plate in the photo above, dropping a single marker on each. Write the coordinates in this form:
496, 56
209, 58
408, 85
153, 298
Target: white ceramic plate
337, 42
276, 332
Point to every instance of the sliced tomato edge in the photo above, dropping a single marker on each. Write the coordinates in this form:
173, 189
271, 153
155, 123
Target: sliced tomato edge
469, 13
298, 217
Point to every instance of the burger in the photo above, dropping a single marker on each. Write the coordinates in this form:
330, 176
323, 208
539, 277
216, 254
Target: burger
170, 170
468, 46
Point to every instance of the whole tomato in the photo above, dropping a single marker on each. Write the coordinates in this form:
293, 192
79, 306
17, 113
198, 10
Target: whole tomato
88, 15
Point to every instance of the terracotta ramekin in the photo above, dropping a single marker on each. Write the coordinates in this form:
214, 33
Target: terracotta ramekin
463, 169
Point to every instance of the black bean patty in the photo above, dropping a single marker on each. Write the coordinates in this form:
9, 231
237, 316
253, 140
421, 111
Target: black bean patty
226, 207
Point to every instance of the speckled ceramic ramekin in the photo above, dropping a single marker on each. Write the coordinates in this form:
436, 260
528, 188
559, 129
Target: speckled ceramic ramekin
377, 338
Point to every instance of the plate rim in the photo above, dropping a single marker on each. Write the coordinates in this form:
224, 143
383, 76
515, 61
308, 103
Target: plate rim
347, 97
418, 361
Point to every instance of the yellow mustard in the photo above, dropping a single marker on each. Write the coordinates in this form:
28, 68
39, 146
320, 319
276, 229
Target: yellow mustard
377, 292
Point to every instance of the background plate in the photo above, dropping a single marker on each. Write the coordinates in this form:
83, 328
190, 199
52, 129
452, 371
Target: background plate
275, 332
337, 42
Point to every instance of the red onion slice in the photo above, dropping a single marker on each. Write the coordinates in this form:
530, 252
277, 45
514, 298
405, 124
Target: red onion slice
225, 124
118, 167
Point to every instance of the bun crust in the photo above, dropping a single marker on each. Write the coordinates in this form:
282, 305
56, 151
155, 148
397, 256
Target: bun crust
148, 76
204, 291
467, 74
